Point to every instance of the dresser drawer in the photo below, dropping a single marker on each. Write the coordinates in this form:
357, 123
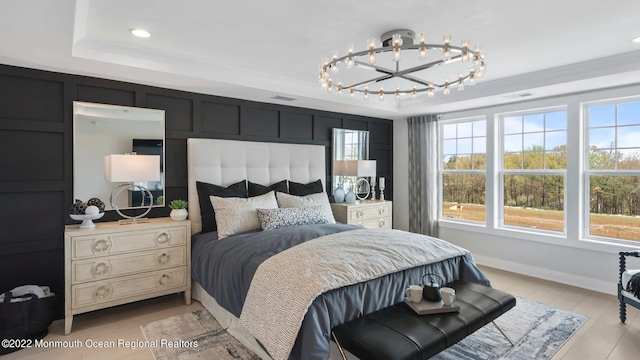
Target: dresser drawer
118, 265
118, 289
380, 223
125, 242
362, 213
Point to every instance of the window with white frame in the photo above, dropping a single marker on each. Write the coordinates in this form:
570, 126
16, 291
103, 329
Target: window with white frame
463, 169
533, 169
612, 167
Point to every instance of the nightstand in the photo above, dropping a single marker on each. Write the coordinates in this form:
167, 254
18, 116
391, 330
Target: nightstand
117, 264
370, 214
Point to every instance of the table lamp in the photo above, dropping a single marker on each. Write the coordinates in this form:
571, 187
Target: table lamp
127, 169
360, 169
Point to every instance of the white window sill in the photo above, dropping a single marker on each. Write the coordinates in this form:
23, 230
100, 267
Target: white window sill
601, 245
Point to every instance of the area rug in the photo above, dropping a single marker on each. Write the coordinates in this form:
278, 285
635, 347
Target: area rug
192, 336
537, 330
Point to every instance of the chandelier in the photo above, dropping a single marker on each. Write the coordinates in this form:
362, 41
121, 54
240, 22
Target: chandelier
378, 70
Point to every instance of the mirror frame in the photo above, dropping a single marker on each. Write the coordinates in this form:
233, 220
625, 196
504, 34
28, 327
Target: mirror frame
111, 140
339, 143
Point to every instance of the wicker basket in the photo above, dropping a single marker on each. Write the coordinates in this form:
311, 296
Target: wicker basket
28, 319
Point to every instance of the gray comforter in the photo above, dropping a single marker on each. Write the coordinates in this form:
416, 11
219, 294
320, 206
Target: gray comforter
225, 268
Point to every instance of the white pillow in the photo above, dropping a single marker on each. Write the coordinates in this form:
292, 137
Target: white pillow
319, 199
237, 215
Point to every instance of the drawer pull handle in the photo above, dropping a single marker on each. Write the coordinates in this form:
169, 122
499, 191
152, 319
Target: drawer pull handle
381, 224
101, 268
102, 292
164, 259
164, 280
360, 214
381, 211
101, 245
163, 237
361, 225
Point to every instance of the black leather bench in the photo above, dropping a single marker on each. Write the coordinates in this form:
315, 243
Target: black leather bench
398, 333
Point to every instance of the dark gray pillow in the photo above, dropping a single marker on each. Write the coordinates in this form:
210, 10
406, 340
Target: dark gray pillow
299, 189
205, 190
258, 189
284, 217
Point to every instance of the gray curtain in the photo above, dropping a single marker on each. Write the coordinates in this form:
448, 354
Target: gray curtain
423, 174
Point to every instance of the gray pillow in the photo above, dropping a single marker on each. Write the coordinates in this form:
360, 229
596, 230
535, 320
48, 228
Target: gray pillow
319, 199
284, 217
237, 215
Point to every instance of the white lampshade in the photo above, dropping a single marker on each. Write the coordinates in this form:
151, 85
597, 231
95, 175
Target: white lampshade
359, 168
130, 168
339, 167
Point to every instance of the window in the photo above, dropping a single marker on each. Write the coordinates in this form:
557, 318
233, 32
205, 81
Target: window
533, 167
613, 169
463, 169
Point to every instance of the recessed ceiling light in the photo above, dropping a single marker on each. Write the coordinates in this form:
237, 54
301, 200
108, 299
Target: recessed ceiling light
140, 33
636, 40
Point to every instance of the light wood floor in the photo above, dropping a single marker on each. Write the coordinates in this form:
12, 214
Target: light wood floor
602, 337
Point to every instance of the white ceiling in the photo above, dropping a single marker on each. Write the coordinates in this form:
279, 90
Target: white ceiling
253, 49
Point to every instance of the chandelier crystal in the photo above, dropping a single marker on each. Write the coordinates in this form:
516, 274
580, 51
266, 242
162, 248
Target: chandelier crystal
404, 64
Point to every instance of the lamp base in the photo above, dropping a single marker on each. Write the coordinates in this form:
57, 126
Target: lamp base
128, 220
133, 221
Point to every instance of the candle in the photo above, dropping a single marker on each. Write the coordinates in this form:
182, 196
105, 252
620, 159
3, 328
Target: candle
381, 183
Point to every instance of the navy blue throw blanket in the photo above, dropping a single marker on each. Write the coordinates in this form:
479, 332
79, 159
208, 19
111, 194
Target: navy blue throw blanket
634, 285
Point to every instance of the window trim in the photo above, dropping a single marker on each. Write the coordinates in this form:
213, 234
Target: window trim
501, 172
585, 234
442, 171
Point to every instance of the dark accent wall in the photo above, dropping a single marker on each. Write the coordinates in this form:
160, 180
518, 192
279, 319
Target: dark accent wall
36, 153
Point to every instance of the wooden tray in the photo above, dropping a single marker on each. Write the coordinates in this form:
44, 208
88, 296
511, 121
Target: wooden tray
425, 307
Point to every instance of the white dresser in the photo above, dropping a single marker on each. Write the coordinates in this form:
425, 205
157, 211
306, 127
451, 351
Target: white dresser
370, 214
116, 264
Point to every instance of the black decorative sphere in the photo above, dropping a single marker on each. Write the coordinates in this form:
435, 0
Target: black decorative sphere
78, 207
97, 203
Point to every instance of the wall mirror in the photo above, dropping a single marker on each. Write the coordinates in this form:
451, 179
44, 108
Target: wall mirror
348, 145
100, 130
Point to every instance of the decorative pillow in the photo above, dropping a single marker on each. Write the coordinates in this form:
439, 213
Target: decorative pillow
305, 189
257, 189
284, 217
205, 190
321, 199
237, 215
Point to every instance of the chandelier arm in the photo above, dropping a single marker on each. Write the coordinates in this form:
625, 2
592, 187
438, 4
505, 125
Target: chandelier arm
416, 80
373, 67
370, 81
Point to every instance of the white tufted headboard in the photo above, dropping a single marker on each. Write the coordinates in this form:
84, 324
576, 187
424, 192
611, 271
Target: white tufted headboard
224, 162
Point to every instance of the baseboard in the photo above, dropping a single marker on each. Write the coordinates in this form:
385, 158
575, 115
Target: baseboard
546, 274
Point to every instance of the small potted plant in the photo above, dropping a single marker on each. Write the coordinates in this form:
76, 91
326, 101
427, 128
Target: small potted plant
179, 209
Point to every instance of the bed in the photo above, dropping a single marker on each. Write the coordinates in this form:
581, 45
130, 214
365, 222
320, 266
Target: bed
234, 276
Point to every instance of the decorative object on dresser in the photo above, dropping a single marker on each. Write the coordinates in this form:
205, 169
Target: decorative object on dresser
359, 169
178, 209
87, 212
113, 265
338, 169
128, 169
381, 185
369, 214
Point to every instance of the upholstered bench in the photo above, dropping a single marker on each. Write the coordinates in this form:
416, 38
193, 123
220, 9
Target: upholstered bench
398, 333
